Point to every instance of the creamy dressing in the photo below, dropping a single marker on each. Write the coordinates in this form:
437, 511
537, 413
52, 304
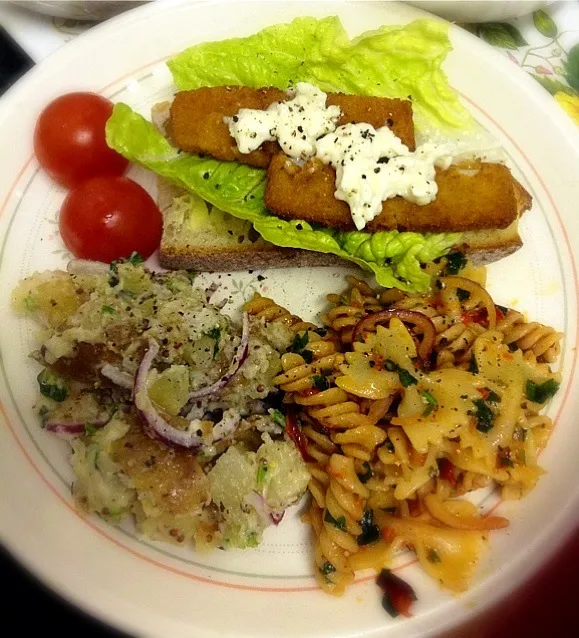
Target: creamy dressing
372, 165
295, 124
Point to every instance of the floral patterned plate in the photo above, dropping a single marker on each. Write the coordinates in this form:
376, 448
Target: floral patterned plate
153, 589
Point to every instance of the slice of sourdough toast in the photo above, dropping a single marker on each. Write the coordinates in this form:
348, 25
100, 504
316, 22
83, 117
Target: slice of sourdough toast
200, 237
203, 238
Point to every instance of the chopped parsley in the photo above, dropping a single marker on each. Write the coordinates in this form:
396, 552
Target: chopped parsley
455, 262
89, 429
493, 397
320, 381
262, 472
339, 522
327, 568
278, 418
540, 393
433, 556
52, 386
473, 366
364, 478
135, 259
370, 531
300, 342
215, 333
322, 332
113, 273
298, 346
405, 377
484, 416
108, 310
431, 402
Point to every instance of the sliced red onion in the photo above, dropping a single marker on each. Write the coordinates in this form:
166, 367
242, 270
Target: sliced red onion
67, 430
266, 515
236, 363
118, 377
155, 426
86, 267
276, 516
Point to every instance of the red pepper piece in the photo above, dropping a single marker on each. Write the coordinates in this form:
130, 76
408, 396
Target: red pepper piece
398, 595
447, 471
293, 430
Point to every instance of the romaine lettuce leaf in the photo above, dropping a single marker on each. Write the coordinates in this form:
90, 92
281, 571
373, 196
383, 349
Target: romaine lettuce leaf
393, 61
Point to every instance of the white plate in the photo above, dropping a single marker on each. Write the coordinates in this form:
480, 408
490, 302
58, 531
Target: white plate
154, 589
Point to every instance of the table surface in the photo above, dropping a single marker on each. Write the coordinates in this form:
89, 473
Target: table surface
546, 45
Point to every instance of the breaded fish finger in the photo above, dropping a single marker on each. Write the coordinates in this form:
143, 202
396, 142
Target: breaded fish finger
197, 125
478, 197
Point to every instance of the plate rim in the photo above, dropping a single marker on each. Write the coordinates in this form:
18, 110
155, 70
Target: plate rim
95, 33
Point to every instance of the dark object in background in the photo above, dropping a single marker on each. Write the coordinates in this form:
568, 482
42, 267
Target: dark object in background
14, 62
48, 610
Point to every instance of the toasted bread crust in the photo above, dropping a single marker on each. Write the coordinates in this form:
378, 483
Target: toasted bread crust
204, 259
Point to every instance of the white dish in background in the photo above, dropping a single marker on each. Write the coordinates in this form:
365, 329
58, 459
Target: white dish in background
158, 590
480, 10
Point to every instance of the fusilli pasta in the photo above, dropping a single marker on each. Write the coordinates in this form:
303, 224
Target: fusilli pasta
407, 402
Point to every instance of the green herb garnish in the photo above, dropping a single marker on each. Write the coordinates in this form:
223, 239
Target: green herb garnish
278, 418
89, 429
484, 416
370, 531
52, 386
463, 295
455, 262
262, 472
364, 478
540, 393
327, 568
339, 522
405, 377
473, 366
433, 556
135, 259
431, 402
300, 342
215, 333
320, 382
108, 310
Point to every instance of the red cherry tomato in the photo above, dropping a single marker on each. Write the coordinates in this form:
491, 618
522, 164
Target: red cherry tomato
106, 218
69, 139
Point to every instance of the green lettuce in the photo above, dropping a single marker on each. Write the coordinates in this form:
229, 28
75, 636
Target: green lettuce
395, 258
391, 61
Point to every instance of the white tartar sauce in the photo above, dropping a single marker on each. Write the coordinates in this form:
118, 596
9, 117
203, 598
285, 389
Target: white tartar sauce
372, 165
296, 124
